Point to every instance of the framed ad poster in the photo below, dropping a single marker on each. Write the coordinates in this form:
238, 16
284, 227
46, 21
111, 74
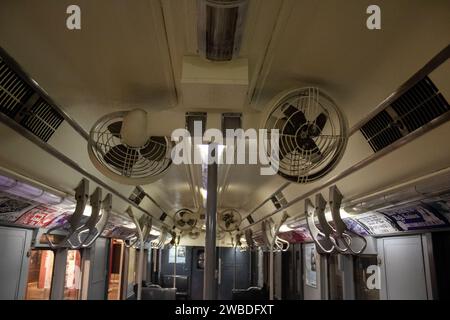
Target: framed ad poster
181, 254
310, 259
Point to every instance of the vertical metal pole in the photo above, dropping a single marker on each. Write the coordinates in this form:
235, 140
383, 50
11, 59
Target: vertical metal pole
209, 279
141, 254
234, 276
59, 274
271, 273
175, 268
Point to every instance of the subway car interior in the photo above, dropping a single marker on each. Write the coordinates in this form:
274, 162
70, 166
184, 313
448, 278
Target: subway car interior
224, 150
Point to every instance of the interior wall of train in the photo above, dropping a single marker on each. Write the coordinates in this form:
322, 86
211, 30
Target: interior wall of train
224, 150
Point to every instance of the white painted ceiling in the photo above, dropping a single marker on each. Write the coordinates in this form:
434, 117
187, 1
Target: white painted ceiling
129, 54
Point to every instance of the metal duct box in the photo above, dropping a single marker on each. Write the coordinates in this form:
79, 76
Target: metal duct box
214, 85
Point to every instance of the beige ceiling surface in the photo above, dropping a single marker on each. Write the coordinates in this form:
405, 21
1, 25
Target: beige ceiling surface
327, 44
114, 62
121, 59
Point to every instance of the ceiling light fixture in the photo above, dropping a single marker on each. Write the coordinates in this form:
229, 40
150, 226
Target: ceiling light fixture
220, 27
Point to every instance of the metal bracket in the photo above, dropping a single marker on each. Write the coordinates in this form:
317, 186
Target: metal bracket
319, 238
101, 222
74, 222
145, 225
95, 201
342, 232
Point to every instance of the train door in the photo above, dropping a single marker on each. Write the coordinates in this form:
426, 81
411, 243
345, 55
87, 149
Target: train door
234, 271
73, 275
115, 269
14, 262
198, 266
405, 272
441, 254
40, 274
314, 274
335, 277
366, 277
292, 273
96, 270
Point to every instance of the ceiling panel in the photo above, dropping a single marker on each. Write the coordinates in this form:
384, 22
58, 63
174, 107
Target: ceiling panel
118, 60
327, 44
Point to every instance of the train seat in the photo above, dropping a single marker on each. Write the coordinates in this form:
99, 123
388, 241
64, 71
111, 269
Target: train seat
251, 293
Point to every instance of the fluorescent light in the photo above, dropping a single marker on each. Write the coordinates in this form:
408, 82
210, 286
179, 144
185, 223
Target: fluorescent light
155, 232
204, 152
27, 191
344, 214
87, 211
204, 193
284, 228
130, 225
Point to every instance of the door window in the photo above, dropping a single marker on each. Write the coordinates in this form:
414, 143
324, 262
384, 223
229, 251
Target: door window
40, 273
366, 278
72, 283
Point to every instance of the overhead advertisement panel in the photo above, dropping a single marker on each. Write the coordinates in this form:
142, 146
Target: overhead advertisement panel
417, 217
12, 207
376, 223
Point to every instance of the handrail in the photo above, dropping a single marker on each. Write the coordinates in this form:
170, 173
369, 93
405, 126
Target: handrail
361, 164
101, 223
329, 235
315, 232
54, 152
342, 231
74, 221
95, 201
430, 66
68, 161
141, 253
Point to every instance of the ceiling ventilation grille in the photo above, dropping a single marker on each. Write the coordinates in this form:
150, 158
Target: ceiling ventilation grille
416, 107
137, 195
42, 120
13, 91
19, 101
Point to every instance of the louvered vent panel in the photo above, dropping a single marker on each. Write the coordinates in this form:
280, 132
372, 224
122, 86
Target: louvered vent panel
137, 196
19, 101
419, 105
14, 92
413, 109
42, 120
380, 132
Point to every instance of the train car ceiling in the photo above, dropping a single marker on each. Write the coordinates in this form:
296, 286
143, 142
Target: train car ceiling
136, 73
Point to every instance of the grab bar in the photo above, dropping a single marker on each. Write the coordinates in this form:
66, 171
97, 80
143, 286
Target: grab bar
74, 221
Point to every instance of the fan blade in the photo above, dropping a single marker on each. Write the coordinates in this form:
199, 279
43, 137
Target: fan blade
295, 116
307, 144
311, 147
286, 145
318, 126
121, 157
155, 149
115, 128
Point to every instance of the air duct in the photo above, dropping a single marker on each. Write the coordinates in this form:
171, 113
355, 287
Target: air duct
220, 27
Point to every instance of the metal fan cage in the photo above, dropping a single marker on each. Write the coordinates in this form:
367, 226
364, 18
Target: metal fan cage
229, 220
185, 219
128, 165
303, 166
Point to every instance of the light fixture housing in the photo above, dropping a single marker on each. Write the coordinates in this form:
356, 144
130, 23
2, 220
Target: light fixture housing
220, 27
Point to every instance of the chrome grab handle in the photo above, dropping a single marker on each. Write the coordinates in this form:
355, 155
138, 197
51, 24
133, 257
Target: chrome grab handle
342, 232
315, 232
95, 201
101, 223
74, 221
145, 224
